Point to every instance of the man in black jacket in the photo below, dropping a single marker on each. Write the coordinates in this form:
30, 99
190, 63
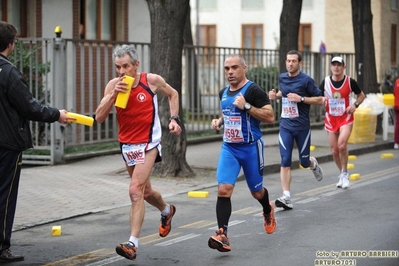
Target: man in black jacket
17, 107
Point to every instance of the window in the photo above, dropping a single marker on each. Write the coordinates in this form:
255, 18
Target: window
252, 4
307, 4
208, 35
394, 4
394, 44
97, 21
207, 4
305, 38
208, 39
252, 38
15, 13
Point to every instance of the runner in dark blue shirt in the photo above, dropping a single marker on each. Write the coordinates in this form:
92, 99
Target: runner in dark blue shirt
297, 92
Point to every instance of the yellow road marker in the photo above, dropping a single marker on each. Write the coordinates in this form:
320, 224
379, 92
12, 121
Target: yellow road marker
56, 230
312, 147
386, 155
350, 166
352, 157
198, 194
354, 177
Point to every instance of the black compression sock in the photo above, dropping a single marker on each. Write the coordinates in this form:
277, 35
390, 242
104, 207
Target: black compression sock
223, 212
265, 202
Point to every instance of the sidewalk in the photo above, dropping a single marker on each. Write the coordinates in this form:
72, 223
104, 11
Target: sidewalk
51, 193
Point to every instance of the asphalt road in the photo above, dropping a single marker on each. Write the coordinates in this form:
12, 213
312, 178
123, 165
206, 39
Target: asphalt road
327, 225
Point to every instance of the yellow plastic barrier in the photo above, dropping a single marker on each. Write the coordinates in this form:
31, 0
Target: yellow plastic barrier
389, 99
364, 126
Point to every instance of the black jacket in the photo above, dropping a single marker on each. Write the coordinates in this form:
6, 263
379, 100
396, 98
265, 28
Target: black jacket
17, 107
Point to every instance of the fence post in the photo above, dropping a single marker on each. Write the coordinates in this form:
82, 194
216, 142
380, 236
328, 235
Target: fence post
59, 93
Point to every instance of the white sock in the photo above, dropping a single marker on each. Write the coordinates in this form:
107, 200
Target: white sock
166, 211
134, 240
314, 164
287, 193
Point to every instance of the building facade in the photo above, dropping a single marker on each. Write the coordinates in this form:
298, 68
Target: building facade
325, 25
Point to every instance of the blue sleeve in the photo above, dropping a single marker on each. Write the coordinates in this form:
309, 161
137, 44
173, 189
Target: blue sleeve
312, 88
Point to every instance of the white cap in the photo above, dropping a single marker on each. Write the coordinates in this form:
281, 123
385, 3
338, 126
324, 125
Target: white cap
338, 59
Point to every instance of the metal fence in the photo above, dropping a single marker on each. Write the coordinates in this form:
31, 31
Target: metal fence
72, 74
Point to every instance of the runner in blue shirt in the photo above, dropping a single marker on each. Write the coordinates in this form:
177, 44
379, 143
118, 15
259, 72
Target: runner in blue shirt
244, 106
297, 92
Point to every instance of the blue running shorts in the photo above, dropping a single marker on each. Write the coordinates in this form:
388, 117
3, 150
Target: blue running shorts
249, 156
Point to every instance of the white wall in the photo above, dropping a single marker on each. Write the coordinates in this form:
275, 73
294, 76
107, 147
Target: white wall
272, 24
229, 18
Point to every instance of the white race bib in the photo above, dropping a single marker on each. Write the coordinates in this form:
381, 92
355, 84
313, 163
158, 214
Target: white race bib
289, 109
232, 129
134, 153
336, 106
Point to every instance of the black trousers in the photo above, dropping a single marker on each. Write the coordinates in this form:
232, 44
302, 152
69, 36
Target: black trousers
10, 171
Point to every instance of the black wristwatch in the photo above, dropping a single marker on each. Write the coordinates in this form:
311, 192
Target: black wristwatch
175, 117
302, 99
356, 104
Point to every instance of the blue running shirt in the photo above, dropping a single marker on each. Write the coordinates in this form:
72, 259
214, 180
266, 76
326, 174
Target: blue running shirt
302, 85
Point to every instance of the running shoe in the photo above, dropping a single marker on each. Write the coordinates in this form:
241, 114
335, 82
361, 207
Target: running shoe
345, 181
270, 222
339, 184
396, 146
166, 222
219, 241
284, 202
7, 256
317, 171
127, 250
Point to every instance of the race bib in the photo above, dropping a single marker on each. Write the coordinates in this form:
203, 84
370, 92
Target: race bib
289, 109
232, 129
336, 106
134, 153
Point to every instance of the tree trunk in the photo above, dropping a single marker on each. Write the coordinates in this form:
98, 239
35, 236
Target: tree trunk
289, 29
362, 20
191, 65
168, 19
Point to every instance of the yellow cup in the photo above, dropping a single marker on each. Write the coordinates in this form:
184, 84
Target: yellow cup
81, 119
123, 97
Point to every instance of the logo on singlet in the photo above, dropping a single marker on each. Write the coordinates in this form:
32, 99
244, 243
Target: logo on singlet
337, 95
141, 97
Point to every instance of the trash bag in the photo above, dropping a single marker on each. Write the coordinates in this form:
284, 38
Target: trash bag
373, 101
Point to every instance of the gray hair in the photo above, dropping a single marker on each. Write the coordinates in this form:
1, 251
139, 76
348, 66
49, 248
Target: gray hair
242, 60
121, 51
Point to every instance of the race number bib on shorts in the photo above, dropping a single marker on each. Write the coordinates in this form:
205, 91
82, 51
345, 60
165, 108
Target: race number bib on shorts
232, 129
289, 109
134, 154
336, 106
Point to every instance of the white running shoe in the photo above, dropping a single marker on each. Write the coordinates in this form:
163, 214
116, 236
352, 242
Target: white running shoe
345, 180
396, 146
317, 171
339, 184
284, 202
